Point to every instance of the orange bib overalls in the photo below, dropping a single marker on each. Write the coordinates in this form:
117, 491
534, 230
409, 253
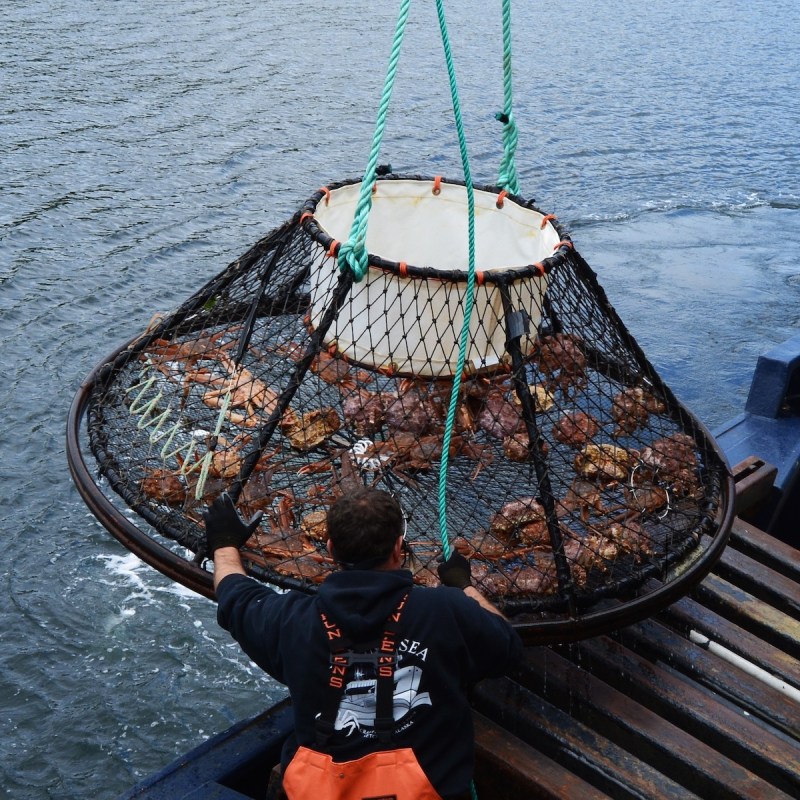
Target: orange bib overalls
383, 775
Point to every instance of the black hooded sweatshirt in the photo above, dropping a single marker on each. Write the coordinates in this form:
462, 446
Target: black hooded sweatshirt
446, 643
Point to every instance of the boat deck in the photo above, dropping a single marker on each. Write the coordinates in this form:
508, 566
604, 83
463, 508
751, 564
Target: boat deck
700, 701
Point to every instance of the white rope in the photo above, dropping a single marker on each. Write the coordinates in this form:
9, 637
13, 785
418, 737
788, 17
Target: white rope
201, 481
139, 407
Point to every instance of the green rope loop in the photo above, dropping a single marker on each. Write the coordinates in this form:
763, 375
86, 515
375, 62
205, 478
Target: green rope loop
507, 178
470, 294
353, 253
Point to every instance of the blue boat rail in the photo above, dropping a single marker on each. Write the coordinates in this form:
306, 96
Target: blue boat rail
767, 436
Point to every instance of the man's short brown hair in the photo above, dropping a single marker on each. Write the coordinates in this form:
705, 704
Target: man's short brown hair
363, 526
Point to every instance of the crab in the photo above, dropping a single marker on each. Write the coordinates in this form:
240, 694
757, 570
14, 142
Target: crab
592, 549
467, 447
310, 430
425, 576
413, 410
315, 525
583, 497
476, 387
292, 351
283, 540
333, 370
560, 356
491, 581
646, 496
247, 393
346, 478
424, 451
364, 411
531, 580
631, 538
228, 457
601, 551
546, 563
165, 486
485, 546
575, 428
205, 347
523, 520
257, 494
606, 463
543, 399
403, 452
310, 567
672, 461
579, 571
632, 407
517, 446
498, 415
226, 461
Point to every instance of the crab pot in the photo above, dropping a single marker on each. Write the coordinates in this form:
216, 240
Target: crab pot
585, 495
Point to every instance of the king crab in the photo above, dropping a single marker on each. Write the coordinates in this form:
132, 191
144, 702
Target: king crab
240, 389
283, 540
583, 497
671, 460
206, 347
311, 429
631, 538
632, 408
560, 356
575, 428
413, 410
523, 520
646, 497
498, 415
364, 411
605, 463
165, 486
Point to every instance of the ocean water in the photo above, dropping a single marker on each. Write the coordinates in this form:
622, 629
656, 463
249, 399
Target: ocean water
144, 145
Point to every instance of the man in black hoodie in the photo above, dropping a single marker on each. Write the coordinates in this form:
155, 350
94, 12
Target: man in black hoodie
442, 641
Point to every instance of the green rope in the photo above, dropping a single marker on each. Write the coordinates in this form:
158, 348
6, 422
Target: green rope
468, 300
353, 253
507, 178
470, 295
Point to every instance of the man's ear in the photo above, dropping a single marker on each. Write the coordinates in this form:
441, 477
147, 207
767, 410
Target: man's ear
397, 553
329, 545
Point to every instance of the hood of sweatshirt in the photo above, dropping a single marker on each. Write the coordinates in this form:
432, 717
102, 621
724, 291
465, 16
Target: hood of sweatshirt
360, 601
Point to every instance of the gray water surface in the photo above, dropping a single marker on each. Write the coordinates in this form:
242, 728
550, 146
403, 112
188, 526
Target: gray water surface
144, 145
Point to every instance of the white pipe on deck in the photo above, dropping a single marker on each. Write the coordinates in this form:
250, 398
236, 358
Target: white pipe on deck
745, 665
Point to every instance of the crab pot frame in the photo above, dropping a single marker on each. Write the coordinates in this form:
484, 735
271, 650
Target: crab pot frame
585, 495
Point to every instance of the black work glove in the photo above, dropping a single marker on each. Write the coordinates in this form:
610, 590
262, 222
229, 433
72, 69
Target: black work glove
225, 526
455, 571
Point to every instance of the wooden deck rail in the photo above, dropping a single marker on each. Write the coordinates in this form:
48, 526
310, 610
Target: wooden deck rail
701, 701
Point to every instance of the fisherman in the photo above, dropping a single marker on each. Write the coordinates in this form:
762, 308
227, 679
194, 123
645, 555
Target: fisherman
377, 667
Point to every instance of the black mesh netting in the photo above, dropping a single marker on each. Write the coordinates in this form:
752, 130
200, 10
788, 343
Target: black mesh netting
575, 475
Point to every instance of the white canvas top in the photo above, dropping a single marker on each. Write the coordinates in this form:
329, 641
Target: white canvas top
409, 223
